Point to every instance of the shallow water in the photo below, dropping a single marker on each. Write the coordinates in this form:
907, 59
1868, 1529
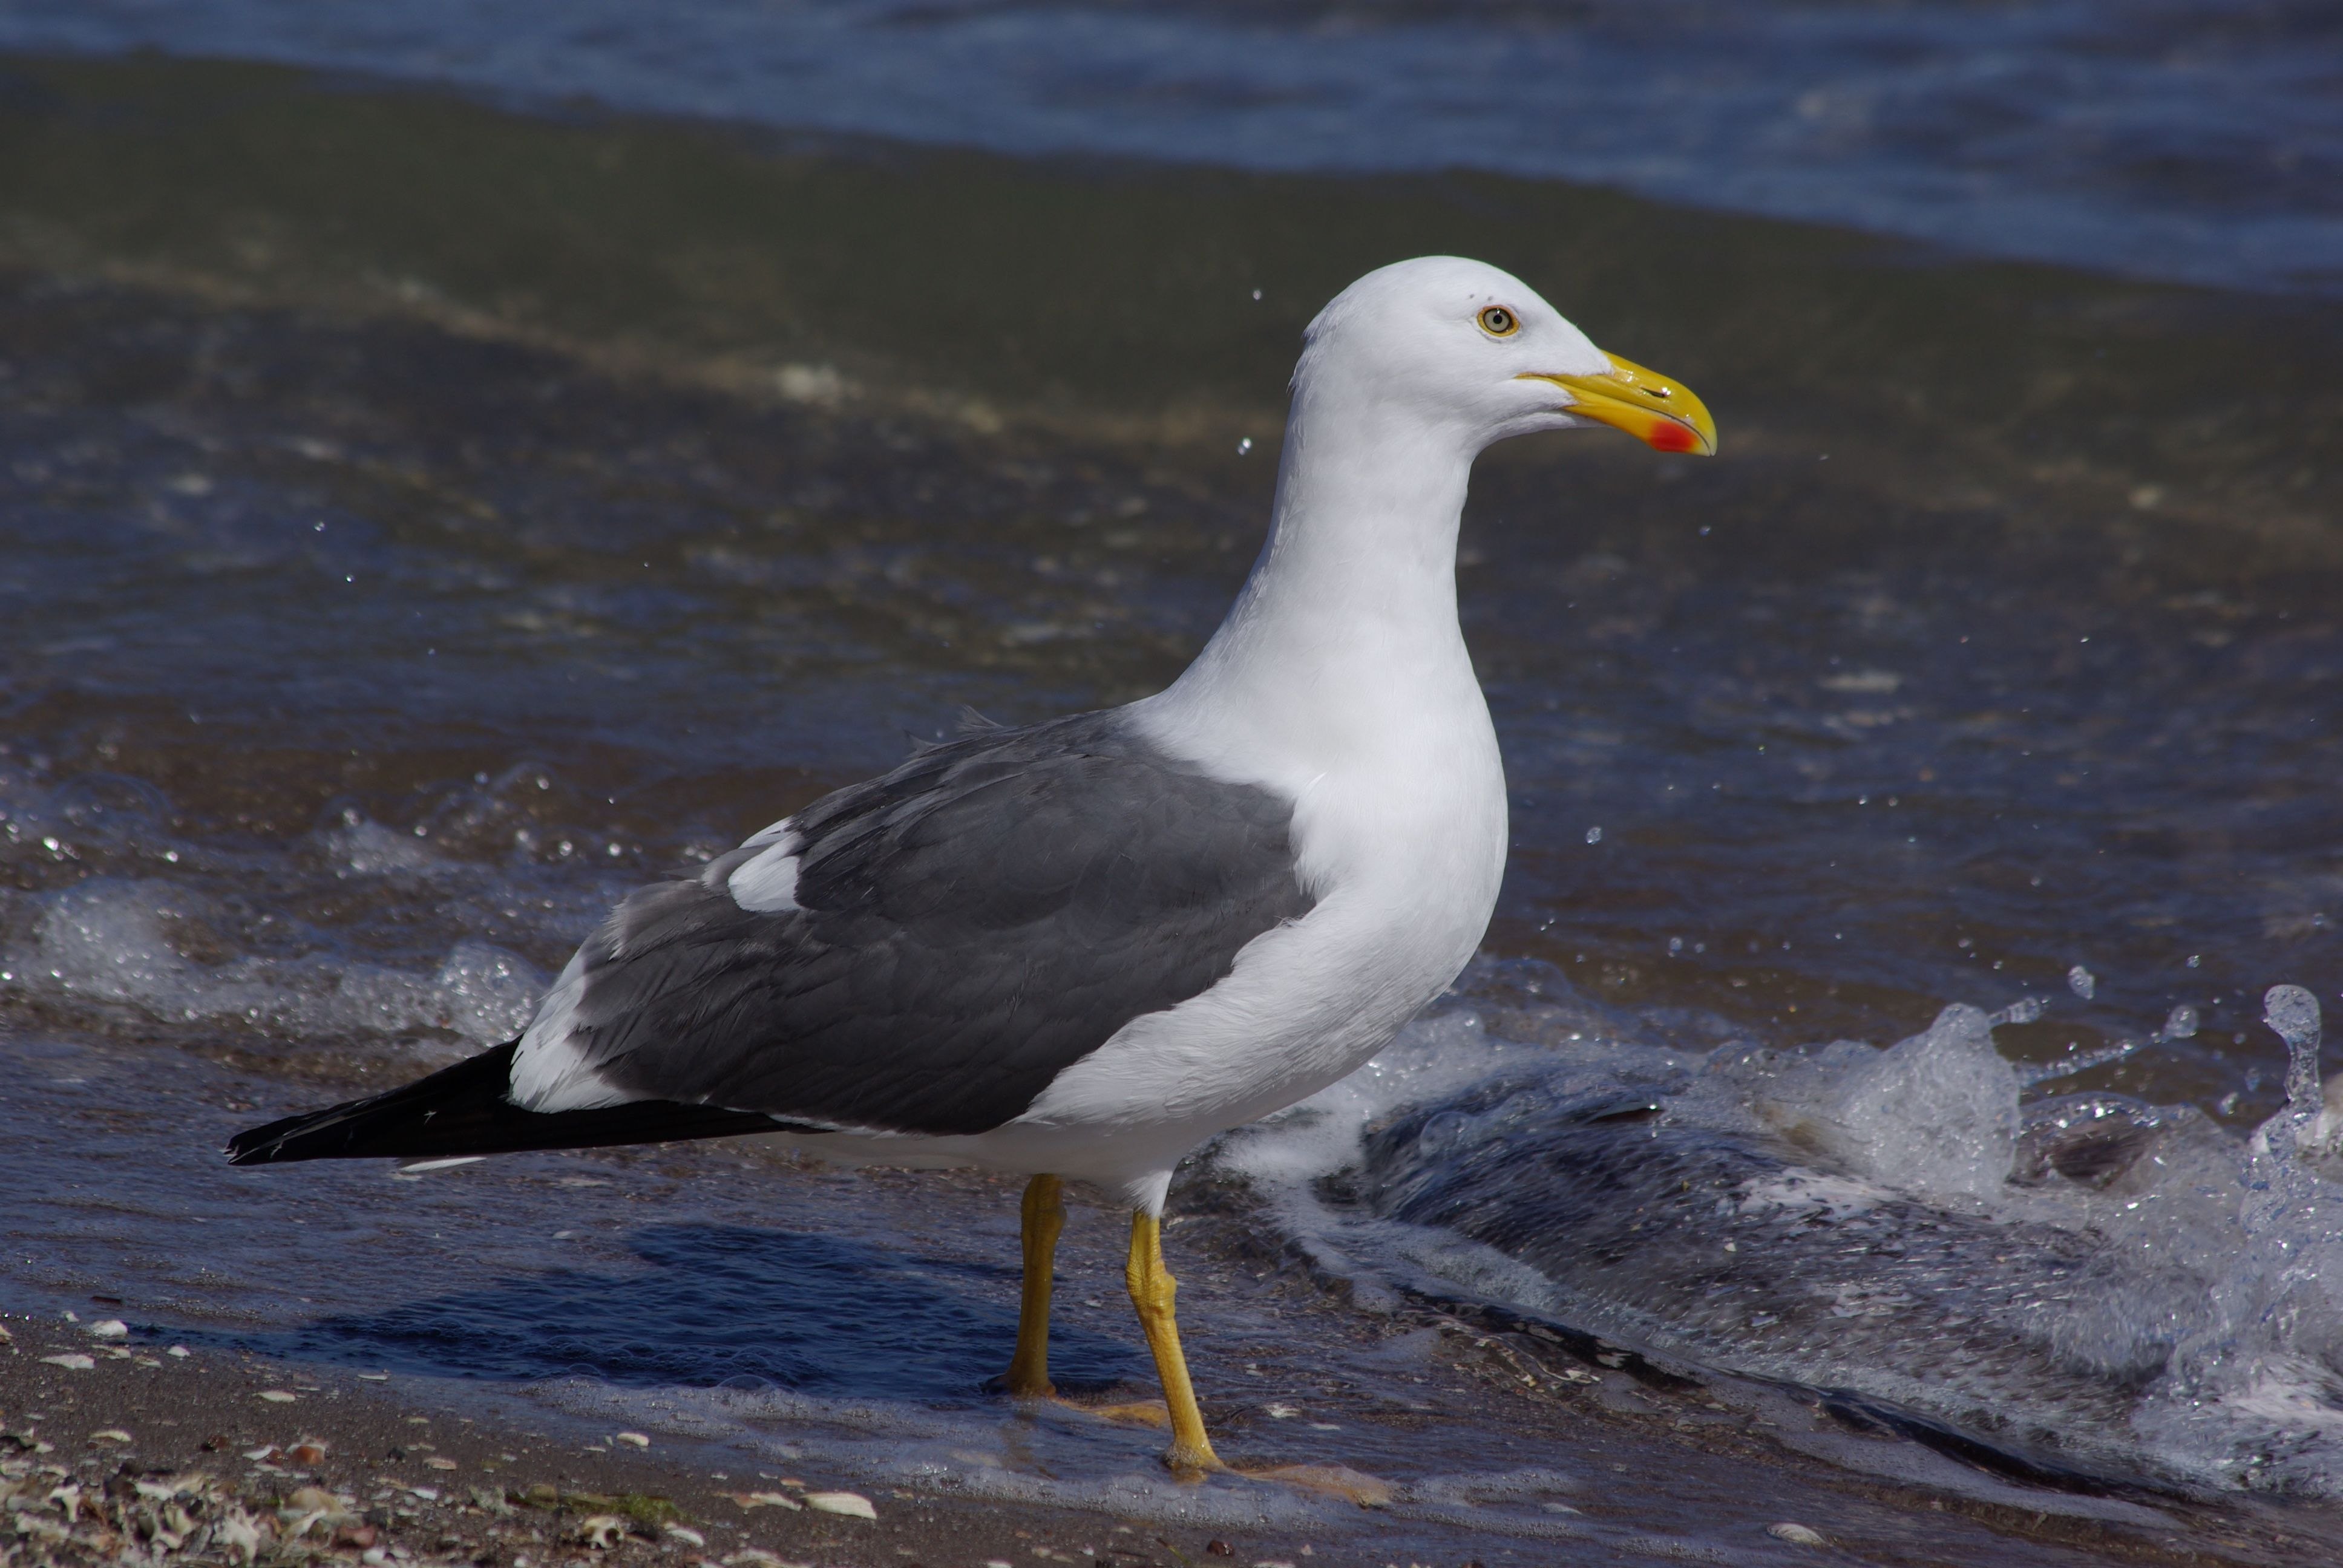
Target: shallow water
421, 523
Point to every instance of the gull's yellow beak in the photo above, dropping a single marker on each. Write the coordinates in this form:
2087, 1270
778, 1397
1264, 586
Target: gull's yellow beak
1659, 412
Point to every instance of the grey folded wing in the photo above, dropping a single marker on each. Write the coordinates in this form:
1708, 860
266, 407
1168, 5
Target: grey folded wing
967, 925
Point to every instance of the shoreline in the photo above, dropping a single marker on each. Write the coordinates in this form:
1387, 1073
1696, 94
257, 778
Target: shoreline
1556, 1431
146, 1428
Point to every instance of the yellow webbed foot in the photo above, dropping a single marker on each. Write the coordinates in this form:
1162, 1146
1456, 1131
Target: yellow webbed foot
1131, 1412
1333, 1479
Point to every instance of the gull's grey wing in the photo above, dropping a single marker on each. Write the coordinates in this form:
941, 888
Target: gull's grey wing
966, 926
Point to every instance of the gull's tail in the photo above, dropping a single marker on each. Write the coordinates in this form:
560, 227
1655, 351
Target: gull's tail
463, 1109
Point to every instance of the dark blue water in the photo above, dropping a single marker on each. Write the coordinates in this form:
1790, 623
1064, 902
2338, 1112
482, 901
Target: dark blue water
2186, 139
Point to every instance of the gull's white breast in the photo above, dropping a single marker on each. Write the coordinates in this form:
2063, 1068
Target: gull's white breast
1400, 832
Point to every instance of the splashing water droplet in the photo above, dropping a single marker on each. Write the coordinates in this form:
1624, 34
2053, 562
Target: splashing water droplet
2082, 982
2181, 1024
2293, 1012
2024, 1010
1244, 444
1595, 835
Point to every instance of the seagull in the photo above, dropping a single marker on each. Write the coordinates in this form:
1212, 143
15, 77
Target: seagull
1076, 949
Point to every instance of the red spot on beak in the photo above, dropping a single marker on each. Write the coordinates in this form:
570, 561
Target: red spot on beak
1669, 436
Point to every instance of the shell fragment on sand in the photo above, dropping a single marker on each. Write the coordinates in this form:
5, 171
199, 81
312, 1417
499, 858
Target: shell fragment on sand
852, 1504
277, 1396
72, 1361
599, 1531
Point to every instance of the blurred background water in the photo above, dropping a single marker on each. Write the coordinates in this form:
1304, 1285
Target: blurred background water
2189, 139
455, 461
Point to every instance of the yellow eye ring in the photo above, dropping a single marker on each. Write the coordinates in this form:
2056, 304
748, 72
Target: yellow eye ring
1499, 322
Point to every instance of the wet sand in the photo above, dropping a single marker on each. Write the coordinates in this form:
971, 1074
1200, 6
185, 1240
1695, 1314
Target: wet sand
427, 1471
415, 1481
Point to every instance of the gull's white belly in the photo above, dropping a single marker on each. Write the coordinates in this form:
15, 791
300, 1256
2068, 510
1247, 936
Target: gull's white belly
1406, 869
1408, 879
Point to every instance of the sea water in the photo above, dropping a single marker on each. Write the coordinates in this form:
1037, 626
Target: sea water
424, 522
2196, 139
2089, 1284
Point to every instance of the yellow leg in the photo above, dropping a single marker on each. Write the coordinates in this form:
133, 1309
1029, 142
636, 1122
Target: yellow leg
1044, 1215
1151, 1290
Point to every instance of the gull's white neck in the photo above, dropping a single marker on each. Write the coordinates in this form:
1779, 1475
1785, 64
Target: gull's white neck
1340, 680
1343, 643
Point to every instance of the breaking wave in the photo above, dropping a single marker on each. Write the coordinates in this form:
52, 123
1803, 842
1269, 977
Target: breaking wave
2083, 1289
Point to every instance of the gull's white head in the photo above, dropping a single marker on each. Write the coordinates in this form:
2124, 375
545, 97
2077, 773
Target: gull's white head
1461, 346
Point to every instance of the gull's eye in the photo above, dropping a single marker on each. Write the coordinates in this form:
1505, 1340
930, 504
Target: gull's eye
1499, 322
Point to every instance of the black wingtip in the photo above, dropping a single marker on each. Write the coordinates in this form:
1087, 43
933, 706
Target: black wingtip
399, 1123
463, 1109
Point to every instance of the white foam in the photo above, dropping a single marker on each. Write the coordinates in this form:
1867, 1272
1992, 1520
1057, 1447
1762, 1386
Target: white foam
976, 1452
110, 941
363, 847
1935, 1115
1286, 1156
2228, 1251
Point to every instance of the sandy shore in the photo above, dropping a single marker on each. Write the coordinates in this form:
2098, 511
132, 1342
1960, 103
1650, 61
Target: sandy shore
115, 1450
